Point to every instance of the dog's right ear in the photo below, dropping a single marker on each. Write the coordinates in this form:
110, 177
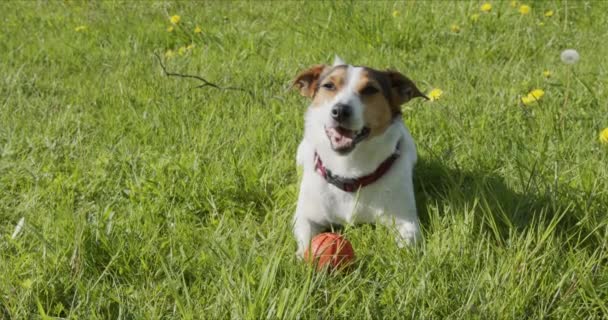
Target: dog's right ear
307, 80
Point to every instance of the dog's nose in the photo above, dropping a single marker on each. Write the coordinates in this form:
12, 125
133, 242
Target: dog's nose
341, 112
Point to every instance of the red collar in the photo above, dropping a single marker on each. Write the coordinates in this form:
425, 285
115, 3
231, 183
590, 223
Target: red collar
353, 184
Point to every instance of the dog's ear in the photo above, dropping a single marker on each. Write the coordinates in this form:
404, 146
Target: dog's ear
338, 61
307, 80
402, 88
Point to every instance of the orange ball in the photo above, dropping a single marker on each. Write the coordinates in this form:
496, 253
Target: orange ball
330, 250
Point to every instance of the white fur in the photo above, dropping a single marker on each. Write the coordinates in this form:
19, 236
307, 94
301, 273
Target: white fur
389, 201
338, 61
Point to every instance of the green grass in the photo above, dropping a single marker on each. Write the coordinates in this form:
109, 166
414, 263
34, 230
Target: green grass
145, 197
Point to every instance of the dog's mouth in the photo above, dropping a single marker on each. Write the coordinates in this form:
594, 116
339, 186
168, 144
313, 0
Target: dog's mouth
344, 140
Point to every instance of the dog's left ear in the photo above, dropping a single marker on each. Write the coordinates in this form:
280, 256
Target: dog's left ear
402, 88
307, 80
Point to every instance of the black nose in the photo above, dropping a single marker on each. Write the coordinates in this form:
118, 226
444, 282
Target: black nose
341, 112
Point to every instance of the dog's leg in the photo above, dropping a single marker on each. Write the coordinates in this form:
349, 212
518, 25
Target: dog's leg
409, 232
407, 228
404, 218
304, 230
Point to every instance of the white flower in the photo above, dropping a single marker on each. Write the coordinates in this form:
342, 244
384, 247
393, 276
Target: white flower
570, 56
18, 228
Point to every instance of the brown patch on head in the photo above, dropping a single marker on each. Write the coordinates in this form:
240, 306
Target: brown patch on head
321, 82
373, 88
382, 93
330, 83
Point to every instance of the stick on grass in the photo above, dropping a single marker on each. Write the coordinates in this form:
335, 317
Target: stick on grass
206, 83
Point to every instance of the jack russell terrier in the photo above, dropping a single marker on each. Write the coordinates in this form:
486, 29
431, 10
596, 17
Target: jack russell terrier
357, 155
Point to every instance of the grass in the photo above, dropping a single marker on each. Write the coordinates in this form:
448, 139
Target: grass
144, 197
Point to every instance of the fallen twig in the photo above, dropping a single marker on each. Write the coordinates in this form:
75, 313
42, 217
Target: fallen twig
205, 82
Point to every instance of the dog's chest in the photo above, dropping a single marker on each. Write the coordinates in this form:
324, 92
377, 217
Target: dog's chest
350, 208
340, 207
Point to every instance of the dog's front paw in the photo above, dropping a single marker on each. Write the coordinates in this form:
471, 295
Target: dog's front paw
300, 254
409, 235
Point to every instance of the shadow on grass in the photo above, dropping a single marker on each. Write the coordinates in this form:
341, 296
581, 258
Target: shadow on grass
501, 210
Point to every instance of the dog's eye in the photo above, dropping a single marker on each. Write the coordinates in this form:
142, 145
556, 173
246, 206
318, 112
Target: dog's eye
369, 90
329, 86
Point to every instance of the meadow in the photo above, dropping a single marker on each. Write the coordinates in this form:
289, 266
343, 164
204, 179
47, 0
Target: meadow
128, 194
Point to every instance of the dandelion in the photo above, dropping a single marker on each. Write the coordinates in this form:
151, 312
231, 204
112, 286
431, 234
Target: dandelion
547, 74
169, 54
549, 13
537, 93
532, 97
474, 17
435, 94
198, 29
527, 100
524, 9
175, 19
396, 13
170, 29
18, 227
604, 136
181, 51
80, 28
570, 56
455, 28
514, 4
486, 7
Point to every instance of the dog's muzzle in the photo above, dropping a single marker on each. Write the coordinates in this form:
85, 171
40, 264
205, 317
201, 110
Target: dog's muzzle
344, 140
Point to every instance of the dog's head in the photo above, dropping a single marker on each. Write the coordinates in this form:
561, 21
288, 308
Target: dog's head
354, 103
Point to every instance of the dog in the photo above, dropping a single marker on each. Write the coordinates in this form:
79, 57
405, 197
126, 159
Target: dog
357, 156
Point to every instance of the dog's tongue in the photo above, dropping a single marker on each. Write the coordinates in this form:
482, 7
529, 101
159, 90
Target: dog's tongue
340, 137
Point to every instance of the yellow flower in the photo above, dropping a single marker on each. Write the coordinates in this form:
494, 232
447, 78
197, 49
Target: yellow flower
455, 28
198, 29
527, 100
547, 74
524, 9
80, 28
475, 17
396, 13
604, 136
435, 94
514, 4
175, 19
533, 96
486, 7
170, 29
181, 51
169, 53
549, 13
537, 93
